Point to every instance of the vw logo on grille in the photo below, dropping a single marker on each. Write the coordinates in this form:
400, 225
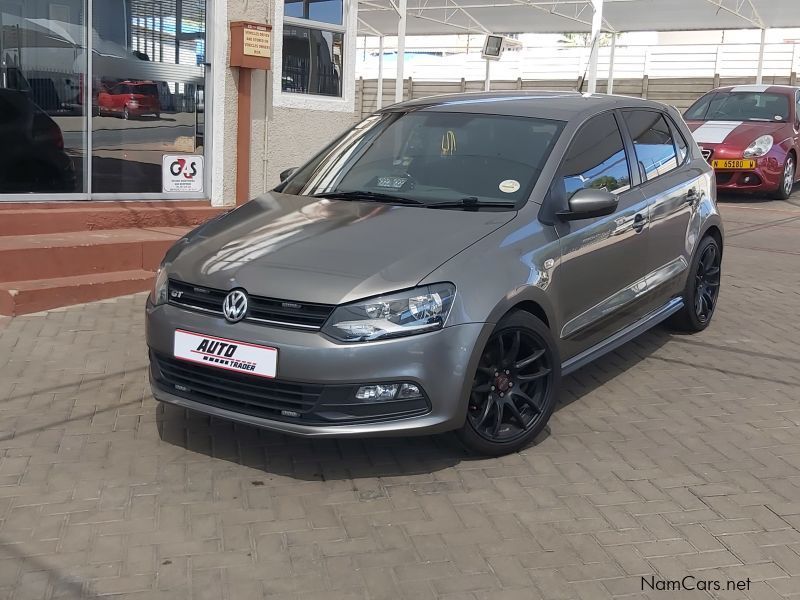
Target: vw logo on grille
235, 306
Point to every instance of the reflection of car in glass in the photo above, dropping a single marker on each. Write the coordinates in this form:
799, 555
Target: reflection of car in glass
749, 134
32, 157
439, 267
130, 99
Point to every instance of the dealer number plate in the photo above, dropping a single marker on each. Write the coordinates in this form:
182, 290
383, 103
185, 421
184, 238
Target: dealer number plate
733, 164
226, 354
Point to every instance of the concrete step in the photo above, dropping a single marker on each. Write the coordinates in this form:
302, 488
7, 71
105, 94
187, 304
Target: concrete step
23, 297
58, 255
58, 217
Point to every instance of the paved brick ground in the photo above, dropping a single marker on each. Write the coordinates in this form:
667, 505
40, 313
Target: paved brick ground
672, 456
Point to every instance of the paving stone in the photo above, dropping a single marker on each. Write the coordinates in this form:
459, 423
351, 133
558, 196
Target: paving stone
672, 455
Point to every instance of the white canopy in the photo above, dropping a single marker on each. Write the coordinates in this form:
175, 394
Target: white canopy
429, 17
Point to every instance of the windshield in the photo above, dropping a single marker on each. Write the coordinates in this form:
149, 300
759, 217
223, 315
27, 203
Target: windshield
740, 106
433, 157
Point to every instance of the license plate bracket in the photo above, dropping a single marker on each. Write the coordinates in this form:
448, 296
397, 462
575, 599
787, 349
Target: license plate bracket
733, 164
226, 354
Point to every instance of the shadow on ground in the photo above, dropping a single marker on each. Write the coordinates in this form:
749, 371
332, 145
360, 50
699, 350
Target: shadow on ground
340, 459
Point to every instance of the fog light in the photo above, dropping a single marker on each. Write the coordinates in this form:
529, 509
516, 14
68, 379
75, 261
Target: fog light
386, 392
377, 393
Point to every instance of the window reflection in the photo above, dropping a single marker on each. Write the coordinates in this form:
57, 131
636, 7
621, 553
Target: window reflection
597, 158
312, 61
652, 139
42, 69
324, 11
147, 90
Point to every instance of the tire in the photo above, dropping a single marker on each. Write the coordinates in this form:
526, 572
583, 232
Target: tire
522, 395
701, 293
787, 180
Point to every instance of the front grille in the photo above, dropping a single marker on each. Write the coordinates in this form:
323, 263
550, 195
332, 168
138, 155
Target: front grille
235, 391
272, 399
724, 177
270, 311
706, 153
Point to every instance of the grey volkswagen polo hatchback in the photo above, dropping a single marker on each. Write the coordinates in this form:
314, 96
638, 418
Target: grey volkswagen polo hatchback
439, 267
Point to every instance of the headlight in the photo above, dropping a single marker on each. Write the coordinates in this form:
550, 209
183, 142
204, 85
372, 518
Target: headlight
158, 295
404, 313
759, 147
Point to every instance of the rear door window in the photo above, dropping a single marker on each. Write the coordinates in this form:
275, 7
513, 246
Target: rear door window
597, 158
652, 141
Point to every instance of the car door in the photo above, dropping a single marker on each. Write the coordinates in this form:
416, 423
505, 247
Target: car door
674, 189
599, 282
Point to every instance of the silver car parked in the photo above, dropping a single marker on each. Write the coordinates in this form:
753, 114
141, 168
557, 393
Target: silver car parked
439, 267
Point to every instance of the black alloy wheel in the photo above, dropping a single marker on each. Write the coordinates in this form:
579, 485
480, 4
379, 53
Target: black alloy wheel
707, 279
701, 293
515, 387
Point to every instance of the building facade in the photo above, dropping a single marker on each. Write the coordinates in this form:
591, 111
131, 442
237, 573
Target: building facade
134, 99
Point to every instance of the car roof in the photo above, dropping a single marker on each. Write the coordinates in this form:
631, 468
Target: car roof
755, 87
558, 105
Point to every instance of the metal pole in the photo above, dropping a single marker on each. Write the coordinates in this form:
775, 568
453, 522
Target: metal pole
178, 30
379, 98
597, 23
487, 81
760, 71
610, 82
401, 51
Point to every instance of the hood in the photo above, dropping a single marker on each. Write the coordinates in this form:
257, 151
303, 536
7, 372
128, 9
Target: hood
736, 134
328, 251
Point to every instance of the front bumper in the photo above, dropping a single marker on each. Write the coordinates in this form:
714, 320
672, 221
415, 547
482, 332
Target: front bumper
765, 177
441, 363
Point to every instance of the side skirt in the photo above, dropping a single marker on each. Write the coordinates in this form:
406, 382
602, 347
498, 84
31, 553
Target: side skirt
623, 336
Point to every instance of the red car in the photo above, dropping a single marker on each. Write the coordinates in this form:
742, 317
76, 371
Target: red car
751, 136
130, 99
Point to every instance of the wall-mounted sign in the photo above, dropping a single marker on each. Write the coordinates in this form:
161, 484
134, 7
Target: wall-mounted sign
256, 40
251, 45
182, 173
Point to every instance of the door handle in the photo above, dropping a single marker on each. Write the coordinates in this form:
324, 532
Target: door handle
638, 222
692, 196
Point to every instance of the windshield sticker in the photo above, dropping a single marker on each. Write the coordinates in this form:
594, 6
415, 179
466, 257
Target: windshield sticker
778, 118
390, 183
509, 186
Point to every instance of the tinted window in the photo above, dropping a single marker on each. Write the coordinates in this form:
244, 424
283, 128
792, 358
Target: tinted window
680, 143
8, 111
325, 11
312, 61
652, 141
597, 158
697, 111
434, 156
740, 106
797, 107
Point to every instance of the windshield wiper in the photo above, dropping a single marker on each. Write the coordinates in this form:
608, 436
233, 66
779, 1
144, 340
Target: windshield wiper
366, 195
471, 202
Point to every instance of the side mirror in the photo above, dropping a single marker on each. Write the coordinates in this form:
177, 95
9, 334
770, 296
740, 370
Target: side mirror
588, 203
285, 174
